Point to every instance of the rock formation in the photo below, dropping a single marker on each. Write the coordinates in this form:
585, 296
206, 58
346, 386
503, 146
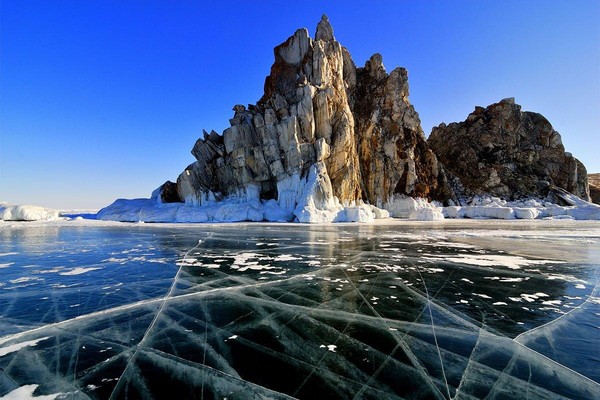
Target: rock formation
594, 183
329, 141
393, 154
505, 152
351, 130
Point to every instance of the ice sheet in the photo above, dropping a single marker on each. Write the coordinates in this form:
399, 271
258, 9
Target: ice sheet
288, 311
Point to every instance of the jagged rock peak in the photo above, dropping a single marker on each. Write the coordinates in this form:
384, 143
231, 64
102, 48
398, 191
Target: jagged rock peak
324, 133
374, 66
293, 50
509, 153
324, 30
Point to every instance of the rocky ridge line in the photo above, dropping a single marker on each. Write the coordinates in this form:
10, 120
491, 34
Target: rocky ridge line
505, 152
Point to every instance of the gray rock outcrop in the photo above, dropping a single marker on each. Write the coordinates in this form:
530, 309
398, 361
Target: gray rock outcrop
505, 152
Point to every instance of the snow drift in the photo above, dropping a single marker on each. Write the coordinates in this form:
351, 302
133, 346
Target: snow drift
26, 213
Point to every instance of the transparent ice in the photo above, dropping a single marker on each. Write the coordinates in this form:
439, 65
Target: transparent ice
300, 311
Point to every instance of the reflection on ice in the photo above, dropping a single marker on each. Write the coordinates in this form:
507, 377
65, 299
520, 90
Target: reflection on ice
296, 312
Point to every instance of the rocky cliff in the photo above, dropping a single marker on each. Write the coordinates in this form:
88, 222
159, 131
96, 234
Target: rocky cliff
324, 134
505, 152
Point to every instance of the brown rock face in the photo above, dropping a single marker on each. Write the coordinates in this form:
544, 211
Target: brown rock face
594, 183
393, 153
168, 193
505, 152
319, 109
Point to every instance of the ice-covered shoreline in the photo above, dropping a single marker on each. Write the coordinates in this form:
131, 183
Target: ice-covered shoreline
502, 225
241, 210
404, 208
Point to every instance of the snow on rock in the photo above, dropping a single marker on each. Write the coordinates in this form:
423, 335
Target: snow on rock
316, 203
309, 200
26, 213
309, 210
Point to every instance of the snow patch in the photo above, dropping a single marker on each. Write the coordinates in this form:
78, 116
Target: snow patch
26, 392
330, 347
78, 271
18, 346
490, 260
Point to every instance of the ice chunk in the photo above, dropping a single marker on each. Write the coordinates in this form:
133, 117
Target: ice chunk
426, 214
413, 208
494, 208
316, 203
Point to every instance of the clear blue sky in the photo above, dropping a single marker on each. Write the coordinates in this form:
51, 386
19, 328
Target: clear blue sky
105, 99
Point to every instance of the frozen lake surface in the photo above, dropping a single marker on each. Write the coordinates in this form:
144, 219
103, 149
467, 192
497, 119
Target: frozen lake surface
457, 309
